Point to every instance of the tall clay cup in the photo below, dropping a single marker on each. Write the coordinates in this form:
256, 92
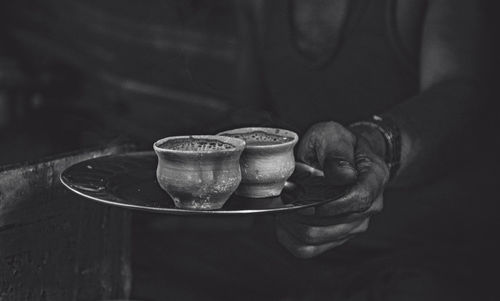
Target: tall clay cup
199, 172
267, 161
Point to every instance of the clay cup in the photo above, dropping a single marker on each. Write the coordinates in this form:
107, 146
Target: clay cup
267, 161
199, 172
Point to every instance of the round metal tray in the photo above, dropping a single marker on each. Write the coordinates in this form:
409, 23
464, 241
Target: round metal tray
129, 181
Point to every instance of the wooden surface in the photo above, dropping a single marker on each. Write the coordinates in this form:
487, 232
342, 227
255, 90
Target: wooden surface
55, 245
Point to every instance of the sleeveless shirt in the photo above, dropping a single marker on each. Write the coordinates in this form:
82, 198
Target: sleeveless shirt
367, 74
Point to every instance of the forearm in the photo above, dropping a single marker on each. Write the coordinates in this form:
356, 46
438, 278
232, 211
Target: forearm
433, 126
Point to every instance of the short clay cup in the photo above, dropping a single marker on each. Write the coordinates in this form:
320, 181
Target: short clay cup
266, 167
199, 178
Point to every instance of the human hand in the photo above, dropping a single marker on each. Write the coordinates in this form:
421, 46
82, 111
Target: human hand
346, 157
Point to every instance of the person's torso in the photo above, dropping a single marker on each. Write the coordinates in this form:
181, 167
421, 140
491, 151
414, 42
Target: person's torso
369, 70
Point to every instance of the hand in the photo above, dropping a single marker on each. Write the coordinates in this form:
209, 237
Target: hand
346, 158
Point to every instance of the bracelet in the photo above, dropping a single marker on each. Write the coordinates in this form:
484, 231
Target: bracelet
392, 136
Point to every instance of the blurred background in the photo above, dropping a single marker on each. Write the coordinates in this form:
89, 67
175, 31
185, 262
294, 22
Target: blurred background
75, 73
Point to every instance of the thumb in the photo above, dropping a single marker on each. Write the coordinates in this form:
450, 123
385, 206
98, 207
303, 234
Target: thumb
338, 166
330, 147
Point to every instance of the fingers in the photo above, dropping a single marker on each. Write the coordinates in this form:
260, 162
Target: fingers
301, 250
313, 219
318, 235
344, 159
372, 177
330, 147
367, 161
309, 236
338, 171
307, 170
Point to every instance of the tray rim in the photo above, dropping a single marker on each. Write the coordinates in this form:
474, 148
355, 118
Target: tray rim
174, 210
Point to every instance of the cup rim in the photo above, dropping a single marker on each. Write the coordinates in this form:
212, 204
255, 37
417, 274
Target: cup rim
239, 144
269, 130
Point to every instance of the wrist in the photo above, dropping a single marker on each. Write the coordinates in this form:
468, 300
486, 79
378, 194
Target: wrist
391, 136
374, 137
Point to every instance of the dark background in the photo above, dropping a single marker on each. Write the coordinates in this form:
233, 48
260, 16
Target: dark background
79, 74
75, 74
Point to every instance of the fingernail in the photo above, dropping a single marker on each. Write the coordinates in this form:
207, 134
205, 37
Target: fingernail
344, 164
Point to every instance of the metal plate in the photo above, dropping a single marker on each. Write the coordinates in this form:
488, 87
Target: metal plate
129, 181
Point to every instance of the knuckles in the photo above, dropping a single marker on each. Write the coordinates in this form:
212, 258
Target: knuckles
330, 129
363, 161
304, 252
311, 235
300, 251
312, 241
378, 206
364, 225
316, 235
361, 200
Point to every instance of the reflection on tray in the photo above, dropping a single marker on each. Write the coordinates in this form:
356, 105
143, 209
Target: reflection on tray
129, 181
